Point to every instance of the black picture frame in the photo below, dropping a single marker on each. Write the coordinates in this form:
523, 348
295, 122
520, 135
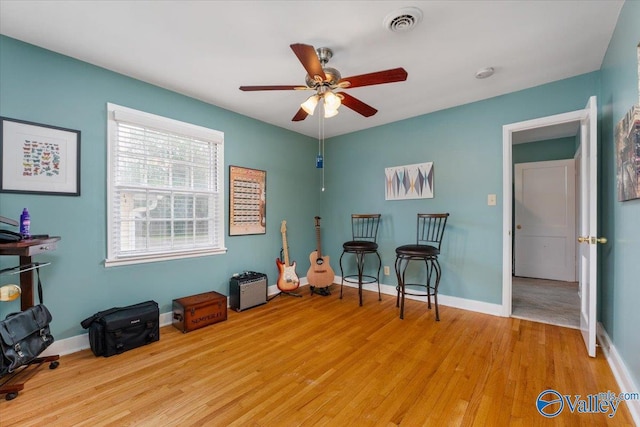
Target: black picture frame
37, 158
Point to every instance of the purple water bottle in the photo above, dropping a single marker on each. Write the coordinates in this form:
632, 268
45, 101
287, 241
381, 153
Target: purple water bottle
25, 224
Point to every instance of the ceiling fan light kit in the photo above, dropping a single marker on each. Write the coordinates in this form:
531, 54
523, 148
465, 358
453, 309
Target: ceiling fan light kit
331, 103
331, 100
328, 113
310, 104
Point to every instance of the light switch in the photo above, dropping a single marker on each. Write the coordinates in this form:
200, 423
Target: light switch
491, 200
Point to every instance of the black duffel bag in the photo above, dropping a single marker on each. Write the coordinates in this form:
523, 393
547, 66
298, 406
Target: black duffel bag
120, 329
23, 336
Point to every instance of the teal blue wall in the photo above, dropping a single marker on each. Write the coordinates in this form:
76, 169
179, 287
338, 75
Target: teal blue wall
465, 146
540, 151
620, 221
44, 87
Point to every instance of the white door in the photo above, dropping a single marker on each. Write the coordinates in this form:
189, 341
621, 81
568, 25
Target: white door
544, 244
588, 226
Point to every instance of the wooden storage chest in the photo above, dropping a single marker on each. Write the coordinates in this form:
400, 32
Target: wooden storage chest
196, 311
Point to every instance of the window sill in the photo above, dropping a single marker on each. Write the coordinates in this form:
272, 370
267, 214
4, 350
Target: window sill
162, 257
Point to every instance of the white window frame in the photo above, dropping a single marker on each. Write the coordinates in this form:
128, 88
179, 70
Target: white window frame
118, 114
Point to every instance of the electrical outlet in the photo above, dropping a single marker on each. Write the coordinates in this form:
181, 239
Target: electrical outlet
386, 270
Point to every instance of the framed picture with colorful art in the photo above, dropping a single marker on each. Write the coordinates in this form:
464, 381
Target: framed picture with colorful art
247, 201
39, 159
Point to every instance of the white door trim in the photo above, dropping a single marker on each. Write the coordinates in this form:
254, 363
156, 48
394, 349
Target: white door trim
507, 185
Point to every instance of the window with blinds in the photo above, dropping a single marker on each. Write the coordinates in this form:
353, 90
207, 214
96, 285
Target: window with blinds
165, 188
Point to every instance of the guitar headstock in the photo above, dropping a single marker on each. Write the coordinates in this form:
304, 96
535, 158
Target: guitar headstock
283, 227
317, 221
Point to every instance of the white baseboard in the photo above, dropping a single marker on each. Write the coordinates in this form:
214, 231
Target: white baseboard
68, 345
620, 372
446, 300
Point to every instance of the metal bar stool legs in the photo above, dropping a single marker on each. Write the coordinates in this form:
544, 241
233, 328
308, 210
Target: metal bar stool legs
378, 275
400, 287
360, 266
433, 266
433, 272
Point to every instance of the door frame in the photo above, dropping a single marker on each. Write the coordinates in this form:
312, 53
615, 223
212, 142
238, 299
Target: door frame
507, 185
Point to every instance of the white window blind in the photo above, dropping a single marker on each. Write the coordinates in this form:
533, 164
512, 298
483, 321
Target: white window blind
165, 188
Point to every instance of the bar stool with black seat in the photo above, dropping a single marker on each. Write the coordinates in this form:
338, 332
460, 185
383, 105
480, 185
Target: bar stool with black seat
430, 229
364, 230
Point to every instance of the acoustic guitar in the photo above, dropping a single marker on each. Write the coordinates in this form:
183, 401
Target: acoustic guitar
320, 274
288, 279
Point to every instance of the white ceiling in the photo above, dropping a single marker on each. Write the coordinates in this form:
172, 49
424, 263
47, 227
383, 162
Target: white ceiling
207, 49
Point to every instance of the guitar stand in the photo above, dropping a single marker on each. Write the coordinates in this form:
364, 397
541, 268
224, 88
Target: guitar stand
324, 291
291, 294
11, 387
284, 293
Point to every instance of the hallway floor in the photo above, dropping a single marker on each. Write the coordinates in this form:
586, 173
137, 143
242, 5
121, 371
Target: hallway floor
546, 301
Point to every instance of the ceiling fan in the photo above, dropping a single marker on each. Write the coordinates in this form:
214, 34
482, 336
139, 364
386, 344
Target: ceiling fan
324, 80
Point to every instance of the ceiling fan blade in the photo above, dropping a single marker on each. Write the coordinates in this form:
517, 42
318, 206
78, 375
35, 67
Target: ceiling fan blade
300, 115
282, 87
309, 59
356, 105
377, 78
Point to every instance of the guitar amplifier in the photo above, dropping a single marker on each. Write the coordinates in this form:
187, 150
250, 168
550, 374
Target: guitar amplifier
247, 290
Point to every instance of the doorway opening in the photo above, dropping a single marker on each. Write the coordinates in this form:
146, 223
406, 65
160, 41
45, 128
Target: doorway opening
582, 123
538, 147
544, 284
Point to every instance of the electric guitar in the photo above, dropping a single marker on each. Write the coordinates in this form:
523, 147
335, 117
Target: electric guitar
288, 279
320, 273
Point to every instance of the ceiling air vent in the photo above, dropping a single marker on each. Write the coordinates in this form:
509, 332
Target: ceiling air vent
402, 20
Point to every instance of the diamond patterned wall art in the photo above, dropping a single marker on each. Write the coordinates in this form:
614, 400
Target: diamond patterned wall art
409, 182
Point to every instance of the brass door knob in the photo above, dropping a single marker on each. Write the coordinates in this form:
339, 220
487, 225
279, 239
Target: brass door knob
518, 226
592, 240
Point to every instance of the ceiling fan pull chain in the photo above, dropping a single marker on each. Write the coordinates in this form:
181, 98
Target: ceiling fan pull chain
319, 133
323, 156
319, 159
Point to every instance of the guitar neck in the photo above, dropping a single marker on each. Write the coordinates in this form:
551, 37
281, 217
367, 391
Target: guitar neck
319, 246
285, 248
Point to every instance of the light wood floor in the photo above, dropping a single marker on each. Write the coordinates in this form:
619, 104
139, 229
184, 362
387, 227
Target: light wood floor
324, 361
